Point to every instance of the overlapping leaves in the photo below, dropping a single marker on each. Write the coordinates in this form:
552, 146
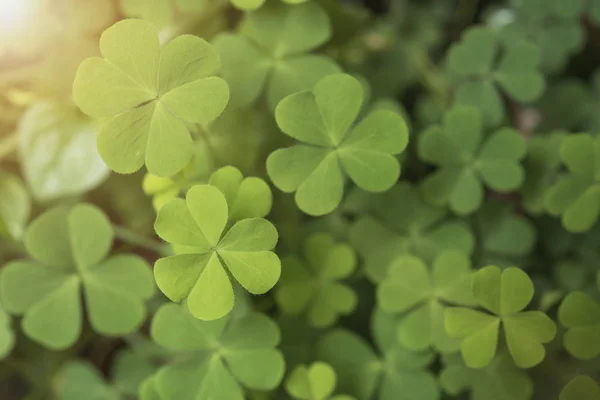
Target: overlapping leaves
580, 314
504, 294
331, 149
218, 358
270, 53
314, 382
516, 73
576, 195
312, 283
69, 250
398, 222
199, 226
147, 96
421, 296
466, 159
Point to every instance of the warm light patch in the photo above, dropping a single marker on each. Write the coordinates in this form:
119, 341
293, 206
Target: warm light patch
13, 13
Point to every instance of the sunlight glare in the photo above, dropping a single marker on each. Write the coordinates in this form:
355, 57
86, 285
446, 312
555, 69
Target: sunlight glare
13, 13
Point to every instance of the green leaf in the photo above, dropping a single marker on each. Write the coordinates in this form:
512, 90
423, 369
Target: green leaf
421, 296
223, 354
314, 382
79, 379
57, 147
127, 88
321, 121
313, 284
15, 206
580, 314
270, 54
576, 197
7, 336
581, 387
199, 275
505, 294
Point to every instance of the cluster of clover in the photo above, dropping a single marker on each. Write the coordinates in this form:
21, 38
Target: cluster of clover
441, 264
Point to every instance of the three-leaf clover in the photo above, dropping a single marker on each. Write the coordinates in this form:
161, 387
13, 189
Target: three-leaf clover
576, 195
218, 358
581, 387
474, 60
199, 223
314, 382
500, 380
331, 148
69, 250
580, 314
398, 222
312, 283
147, 95
392, 374
465, 159
270, 54
422, 295
57, 148
504, 294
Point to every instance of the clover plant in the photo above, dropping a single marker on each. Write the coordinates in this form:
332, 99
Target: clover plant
299, 200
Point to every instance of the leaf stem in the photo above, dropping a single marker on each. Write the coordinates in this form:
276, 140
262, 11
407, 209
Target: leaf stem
8, 144
138, 240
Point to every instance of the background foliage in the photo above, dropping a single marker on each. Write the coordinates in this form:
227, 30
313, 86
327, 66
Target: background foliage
299, 199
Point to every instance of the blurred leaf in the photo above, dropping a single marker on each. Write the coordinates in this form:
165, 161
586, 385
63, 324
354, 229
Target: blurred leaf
15, 206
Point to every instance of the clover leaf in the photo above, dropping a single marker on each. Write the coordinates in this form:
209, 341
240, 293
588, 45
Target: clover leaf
314, 382
331, 149
580, 314
500, 380
504, 294
541, 169
581, 387
557, 37
506, 236
15, 206
576, 195
392, 374
473, 59
218, 358
78, 379
421, 295
313, 284
270, 54
7, 336
199, 275
398, 222
465, 159
57, 146
147, 95
69, 250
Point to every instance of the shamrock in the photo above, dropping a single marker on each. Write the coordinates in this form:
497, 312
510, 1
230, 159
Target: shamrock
541, 168
69, 250
580, 314
312, 284
576, 195
505, 294
506, 237
557, 36
159, 12
422, 296
57, 146
218, 358
473, 59
15, 206
465, 159
393, 374
331, 149
581, 387
501, 380
270, 54
147, 95
397, 222
315, 382
7, 336
199, 223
